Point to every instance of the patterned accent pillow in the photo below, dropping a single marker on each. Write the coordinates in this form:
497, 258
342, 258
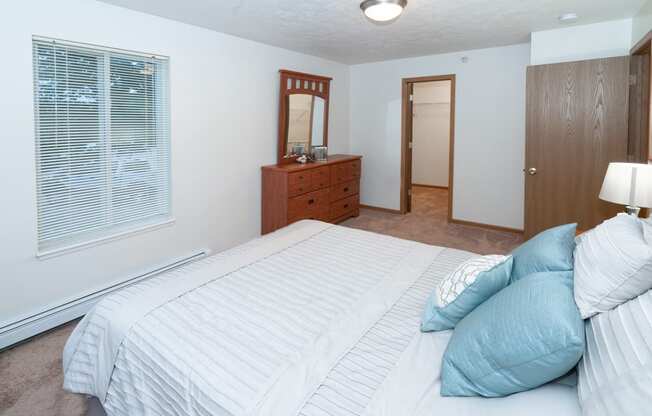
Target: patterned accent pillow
473, 282
464, 276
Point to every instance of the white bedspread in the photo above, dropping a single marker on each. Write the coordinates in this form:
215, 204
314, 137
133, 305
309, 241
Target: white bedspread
314, 320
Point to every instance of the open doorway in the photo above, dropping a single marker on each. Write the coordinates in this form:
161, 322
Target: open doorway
428, 129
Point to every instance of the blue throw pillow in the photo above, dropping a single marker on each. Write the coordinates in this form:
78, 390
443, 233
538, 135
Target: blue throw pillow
473, 282
526, 335
548, 251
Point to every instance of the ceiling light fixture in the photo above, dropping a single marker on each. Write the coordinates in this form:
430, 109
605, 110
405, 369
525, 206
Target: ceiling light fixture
568, 18
383, 10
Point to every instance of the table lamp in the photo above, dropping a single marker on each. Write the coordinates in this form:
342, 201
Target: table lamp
628, 184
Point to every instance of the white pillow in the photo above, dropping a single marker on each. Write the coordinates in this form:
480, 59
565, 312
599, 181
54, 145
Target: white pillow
615, 374
613, 264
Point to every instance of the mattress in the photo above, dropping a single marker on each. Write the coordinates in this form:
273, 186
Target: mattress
314, 319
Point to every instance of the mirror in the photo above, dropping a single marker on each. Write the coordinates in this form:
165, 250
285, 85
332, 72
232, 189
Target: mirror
303, 114
305, 123
318, 122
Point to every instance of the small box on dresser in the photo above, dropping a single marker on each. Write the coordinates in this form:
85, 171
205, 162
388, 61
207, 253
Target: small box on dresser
328, 191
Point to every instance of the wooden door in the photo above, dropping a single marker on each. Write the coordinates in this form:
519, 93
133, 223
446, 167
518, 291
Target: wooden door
576, 124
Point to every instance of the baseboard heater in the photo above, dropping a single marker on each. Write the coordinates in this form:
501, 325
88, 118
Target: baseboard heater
29, 326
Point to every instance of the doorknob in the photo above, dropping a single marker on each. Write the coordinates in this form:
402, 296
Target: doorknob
532, 171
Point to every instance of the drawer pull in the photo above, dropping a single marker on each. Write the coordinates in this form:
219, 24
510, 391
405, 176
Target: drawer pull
311, 201
346, 205
300, 177
346, 189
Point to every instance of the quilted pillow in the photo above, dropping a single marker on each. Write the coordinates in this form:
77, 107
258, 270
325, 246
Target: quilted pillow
549, 251
615, 373
613, 264
473, 282
526, 335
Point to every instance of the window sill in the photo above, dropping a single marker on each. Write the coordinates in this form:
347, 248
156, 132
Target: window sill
70, 248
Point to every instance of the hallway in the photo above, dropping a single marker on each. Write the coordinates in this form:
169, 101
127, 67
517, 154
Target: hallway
428, 223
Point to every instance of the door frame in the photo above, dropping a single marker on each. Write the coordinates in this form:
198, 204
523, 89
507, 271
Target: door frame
406, 152
644, 47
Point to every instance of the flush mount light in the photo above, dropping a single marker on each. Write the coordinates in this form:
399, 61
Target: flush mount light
383, 10
568, 18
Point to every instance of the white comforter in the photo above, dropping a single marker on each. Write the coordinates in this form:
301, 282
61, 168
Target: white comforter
314, 319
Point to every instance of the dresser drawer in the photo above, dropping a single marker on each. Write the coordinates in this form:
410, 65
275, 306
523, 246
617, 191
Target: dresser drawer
320, 178
340, 173
299, 177
304, 206
344, 172
354, 169
319, 215
344, 190
344, 206
298, 183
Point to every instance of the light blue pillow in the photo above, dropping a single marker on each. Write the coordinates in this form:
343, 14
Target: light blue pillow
464, 289
548, 251
526, 335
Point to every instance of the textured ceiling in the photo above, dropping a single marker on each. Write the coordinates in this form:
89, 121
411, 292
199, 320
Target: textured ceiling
337, 29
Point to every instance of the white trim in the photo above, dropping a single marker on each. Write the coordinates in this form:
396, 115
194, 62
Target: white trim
54, 252
21, 328
99, 47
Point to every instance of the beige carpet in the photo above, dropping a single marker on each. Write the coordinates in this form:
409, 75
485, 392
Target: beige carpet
31, 378
428, 223
30, 374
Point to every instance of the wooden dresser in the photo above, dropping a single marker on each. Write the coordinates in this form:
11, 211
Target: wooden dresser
326, 191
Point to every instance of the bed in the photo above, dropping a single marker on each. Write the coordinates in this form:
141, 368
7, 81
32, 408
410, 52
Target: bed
313, 320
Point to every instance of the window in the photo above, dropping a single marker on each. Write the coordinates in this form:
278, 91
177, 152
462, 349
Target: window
102, 143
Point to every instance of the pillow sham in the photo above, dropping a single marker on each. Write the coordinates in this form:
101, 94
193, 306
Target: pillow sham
473, 282
613, 264
615, 374
526, 335
549, 251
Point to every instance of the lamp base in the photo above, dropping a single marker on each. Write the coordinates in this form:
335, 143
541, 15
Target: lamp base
632, 210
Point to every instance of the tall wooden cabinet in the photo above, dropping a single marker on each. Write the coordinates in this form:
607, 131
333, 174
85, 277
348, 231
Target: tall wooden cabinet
327, 191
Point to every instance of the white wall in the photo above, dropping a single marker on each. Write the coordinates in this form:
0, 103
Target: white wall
224, 112
576, 43
489, 130
642, 22
431, 133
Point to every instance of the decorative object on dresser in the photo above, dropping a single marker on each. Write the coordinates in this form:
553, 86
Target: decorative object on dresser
319, 153
303, 114
326, 191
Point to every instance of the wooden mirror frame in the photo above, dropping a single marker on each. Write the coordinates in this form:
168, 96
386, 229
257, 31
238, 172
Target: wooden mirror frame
299, 83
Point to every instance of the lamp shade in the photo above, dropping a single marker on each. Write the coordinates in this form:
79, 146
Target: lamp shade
628, 184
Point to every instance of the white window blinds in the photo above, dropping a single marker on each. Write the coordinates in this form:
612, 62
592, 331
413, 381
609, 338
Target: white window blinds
102, 143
